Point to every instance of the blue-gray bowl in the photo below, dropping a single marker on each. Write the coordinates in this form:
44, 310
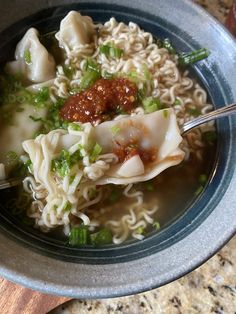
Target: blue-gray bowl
187, 242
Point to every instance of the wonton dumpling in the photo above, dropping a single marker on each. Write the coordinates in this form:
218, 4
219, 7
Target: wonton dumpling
157, 131
75, 30
41, 65
20, 129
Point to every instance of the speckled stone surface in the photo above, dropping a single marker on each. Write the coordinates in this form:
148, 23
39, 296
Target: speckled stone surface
209, 289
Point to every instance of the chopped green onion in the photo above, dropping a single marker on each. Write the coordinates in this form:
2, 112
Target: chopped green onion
108, 75
67, 207
199, 190
142, 92
165, 113
110, 50
69, 72
88, 79
92, 66
42, 95
209, 136
95, 152
71, 180
202, 179
92, 193
101, 237
114, 196
168, 45
194, 56
75, 127
115, 129
27, 56
177, 102
29, 165
151, 104
156, 225
61, 165
194, 112
139, 230
79, 236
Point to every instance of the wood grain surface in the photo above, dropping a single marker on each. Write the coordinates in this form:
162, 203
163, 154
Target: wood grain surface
16, 299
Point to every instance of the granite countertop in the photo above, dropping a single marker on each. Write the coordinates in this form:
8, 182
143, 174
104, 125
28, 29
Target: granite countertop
209, 289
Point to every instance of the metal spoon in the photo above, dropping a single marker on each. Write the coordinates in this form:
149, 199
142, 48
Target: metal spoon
219, 113
187, 126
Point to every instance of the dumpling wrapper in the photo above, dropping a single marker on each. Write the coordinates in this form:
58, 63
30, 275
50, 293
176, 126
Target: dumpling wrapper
20, 129
75, 30
158, 131
41, 67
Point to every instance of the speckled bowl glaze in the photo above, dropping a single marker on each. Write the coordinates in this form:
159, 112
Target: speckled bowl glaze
193, 237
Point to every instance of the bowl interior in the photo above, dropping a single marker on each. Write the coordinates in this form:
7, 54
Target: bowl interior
210, 77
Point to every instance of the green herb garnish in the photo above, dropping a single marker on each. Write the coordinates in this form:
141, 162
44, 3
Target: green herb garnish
209, 136
67, 207
79, 236
151, 104
95, 152
88, 79
165, 113
101, 237
108, 75
202, 179
168, 45
92, 66
74, 126
42, 96
115, 129
193, 56
177, 102
27, 56
110, 50
114, 195
69, 72
194, 112
62, 164
140, 230
156, 225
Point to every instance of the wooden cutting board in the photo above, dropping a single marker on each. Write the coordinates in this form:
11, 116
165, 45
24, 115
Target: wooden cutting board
16, 299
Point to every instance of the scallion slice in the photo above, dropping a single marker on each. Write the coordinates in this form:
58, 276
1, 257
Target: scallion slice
151, 104
79, 236
95, 152
27, 56
156, 225
111, 51
101, 237
88, 79
115, 129
194, 56
168, 45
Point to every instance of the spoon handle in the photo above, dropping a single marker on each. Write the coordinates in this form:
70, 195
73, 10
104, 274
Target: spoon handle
219, 113
5, 184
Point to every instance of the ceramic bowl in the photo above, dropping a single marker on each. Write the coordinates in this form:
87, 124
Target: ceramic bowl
51, 267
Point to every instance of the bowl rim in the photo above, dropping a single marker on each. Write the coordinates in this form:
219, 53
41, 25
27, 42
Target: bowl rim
204, 241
